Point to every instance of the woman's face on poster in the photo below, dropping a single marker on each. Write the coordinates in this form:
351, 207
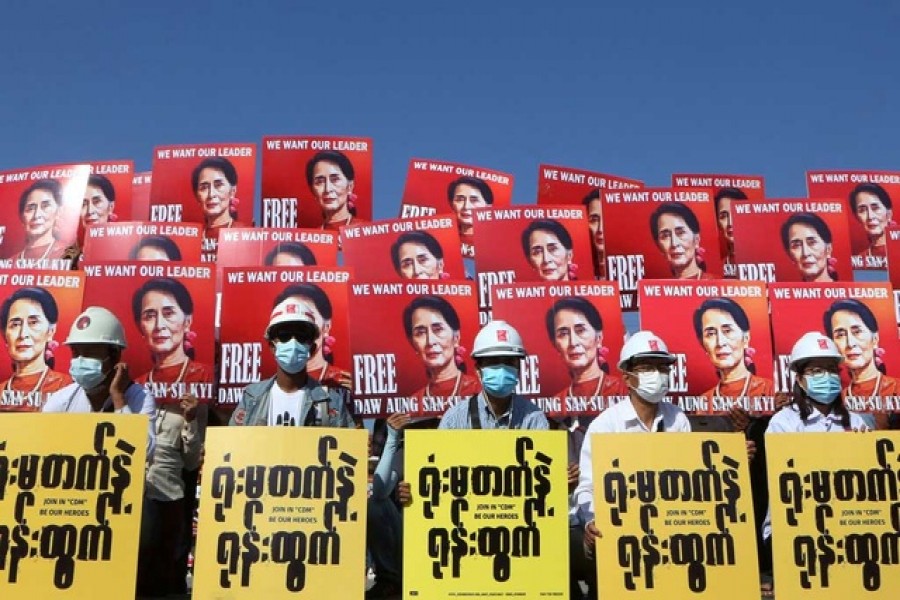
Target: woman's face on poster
466, 198
872, 214
40, 213
548, 257
595, 223
287, 259
432, 338
723, 218
417, 262
96, 207
214, 192
576, 340
808, 250
330, 186
676, 241
723, 340
854, 339
27, 331
163, 323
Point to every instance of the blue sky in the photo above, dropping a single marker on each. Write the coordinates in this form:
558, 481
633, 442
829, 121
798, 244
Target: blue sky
639, 89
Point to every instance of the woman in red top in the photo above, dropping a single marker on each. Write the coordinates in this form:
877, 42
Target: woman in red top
432, 328
214, 182
163, 311
330, 177
29, 318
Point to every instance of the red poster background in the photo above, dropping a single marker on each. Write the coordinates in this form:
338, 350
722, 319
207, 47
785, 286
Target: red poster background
667, 309
248, 297
378, 329
287, 199
73, 180
568, 185
893, 250
525, 307
112, 286
498, 232
367, 248
838, 185
107, 242
631, 252
171, 184
67, 290
799, 308
140, 195
759, 250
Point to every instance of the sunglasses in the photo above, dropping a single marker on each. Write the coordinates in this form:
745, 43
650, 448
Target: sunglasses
285, 335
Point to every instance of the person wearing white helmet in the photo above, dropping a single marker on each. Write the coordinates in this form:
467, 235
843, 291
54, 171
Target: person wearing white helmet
815, 405
291, 397
645, 363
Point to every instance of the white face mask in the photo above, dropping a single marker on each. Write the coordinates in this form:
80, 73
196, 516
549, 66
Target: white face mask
652, 386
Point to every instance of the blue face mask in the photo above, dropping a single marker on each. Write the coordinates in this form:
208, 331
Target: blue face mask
824, 388
87, 372
499, 380
292, 356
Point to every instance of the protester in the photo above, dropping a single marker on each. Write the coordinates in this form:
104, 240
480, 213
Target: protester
291, 397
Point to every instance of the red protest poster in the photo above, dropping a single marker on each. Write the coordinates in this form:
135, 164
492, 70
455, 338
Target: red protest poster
140, 195
859, 318
165, 309
530, 243
418, 248
141, 241
320, 182
40, 212
893, 256
411, 344
37, 312
249, 294
659, 233
565, 185
257, 247
719, 330
573, 335
108, 195
727, 189
792, 240
868, 200
436, 187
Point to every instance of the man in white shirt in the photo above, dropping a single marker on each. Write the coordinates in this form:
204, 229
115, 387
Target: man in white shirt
645, 363
291, 397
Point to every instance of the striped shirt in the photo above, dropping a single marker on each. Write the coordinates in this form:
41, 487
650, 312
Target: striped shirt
522, 414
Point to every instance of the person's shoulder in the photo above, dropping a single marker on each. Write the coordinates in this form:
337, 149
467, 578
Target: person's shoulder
56, 401
857, 421
457, 414
783, 420
259, 387
676, 416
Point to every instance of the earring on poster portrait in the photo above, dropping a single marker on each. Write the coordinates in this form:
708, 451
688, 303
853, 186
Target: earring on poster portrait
113, 217
879, 356
749, 353
328, 343
892, 223
52, 345
459, 355
351, 201
573, 271
832, 267
444, 275
602, 355
233, 206
189, 338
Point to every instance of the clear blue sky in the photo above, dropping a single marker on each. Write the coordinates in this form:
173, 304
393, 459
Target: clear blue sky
640, 89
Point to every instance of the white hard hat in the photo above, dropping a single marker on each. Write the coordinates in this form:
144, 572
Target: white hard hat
498, 338
644, 344
96, 325
814, 345
292, 310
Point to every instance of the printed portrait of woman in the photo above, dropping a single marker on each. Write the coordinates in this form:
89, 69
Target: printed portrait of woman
548, 249
214, 182
854, 330
872, 207
575, 328
155, 247
331, 178
163, 312
29, 316
676, 232
723, 200
594, 209
320, 365
807, 240
99, 202
723, 330
40, 211
465, 194
418, 255
290, 254
433, 329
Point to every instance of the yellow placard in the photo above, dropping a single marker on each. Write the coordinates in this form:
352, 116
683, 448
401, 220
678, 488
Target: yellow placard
71, 487
835, 513
676, 516
282, 513
488, 516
